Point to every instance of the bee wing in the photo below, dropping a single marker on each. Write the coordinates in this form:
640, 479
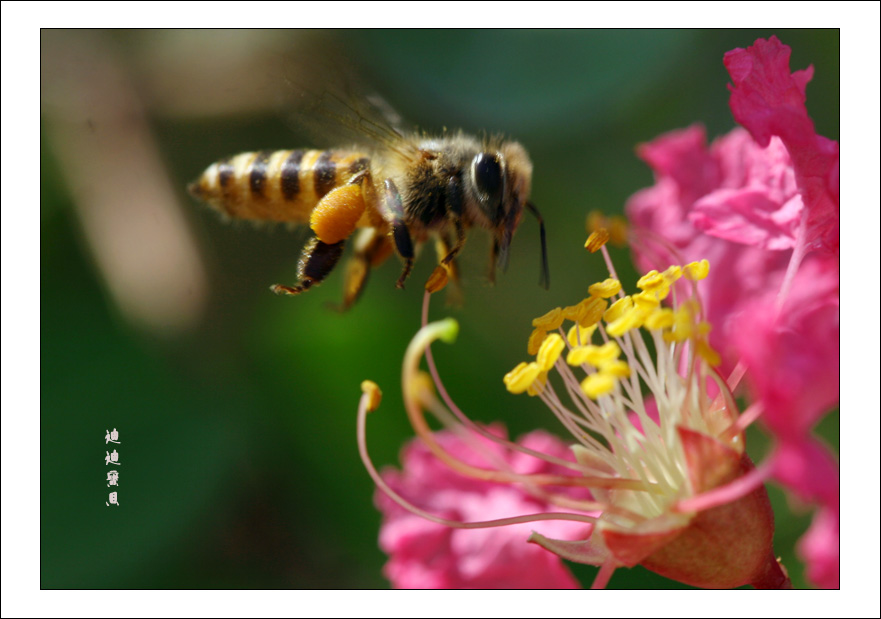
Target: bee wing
335, 108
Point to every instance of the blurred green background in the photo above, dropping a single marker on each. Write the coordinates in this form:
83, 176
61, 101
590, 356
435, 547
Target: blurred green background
236, 408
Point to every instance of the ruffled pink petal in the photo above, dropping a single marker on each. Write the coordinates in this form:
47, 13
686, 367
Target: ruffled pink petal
683, 157
793, 354
769, 101
748, 216
423, 554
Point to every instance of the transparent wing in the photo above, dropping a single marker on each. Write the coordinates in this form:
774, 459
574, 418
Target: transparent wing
335, 108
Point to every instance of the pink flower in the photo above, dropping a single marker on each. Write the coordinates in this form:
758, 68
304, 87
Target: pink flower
768, 101
757, 207
819, 548
427, 555
693, 181
638, 459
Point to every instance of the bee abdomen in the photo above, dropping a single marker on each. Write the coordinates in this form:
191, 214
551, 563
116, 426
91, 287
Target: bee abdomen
281, 185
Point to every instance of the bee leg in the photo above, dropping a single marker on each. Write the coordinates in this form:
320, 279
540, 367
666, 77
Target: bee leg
444, 251
316, 261
371, 250
393, 213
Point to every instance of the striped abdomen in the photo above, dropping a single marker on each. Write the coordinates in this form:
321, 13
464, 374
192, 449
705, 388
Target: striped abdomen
280, 185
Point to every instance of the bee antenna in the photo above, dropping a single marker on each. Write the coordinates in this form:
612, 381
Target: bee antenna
544, 279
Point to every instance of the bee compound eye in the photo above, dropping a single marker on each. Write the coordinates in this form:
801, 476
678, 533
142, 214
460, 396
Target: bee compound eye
486, 170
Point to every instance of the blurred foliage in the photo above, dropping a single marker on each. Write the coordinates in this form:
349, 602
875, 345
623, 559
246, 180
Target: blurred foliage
238, 460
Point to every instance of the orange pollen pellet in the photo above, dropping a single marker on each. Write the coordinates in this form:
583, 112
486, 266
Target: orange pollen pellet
337, 214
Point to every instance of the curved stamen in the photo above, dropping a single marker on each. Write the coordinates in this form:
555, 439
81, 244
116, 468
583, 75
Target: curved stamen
468, 423
380, 483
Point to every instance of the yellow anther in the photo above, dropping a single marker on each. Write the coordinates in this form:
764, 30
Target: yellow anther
672, 273
661, 318
595, 355
538, 385
683, 325
578, 356
631, 319
538, 336
550, 351
580, 336
590, 310
550, 321
596, 240
696, 271
618, 309
618, 369
647, 300
595, 221
438, 279
704, 328
618, 229
616, 225
597, 385
374, 394
651, 280
520, 378
605, 289
708, 353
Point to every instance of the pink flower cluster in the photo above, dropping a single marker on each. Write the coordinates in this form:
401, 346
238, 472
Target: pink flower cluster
427, 555
761, 203
763, 206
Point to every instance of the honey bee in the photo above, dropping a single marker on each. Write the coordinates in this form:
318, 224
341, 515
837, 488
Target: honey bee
397, 191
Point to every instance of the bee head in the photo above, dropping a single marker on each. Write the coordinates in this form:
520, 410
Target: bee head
502, 180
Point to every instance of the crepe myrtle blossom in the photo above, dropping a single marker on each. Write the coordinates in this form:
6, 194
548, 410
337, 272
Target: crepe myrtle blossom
762, 203
651, 424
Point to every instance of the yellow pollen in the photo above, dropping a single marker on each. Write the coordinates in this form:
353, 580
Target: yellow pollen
618, 229
618, 309
538, 385
590, 310
617, 368
585, 332
570, 312
682, 325
707, 353
631, 319
601, 355
538, 336
550, 321
661, 318
605, 289
521, 377
375, 395
696, 271
577, 356
597, 385
550, 351
672, 273
647, 300
651, 280
596, 240
616, 226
